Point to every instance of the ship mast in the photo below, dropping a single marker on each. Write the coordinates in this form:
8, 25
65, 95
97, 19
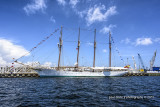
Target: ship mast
78, 47
94, 48
110, 49
60, 48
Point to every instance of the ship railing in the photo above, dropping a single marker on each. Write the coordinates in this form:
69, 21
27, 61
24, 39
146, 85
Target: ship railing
16, 70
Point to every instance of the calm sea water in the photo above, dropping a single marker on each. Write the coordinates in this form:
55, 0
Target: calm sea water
113, 91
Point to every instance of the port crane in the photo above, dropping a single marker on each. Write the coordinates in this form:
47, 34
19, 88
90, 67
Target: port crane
141, 61
135, 66
153, 60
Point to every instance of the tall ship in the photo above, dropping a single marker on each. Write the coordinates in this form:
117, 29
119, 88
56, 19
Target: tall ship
80, 71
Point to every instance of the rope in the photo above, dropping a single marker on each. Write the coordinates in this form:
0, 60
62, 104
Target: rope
117, 50
38, 44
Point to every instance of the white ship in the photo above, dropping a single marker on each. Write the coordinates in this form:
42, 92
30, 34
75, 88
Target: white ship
78, 71
82, 72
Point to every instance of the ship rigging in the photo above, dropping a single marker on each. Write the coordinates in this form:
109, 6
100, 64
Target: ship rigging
80, 71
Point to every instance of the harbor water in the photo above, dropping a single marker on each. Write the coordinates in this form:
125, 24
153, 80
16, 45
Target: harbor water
74, 91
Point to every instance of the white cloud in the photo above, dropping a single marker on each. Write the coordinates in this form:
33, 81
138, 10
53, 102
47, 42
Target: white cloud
8, 51
143, 41
36, 5
47, 64
138, 41
95, 14
126, 41
81, 13
106, 30
90, 44
34, 63
52, 19
2, 62
61, 2
104, 50
73, 3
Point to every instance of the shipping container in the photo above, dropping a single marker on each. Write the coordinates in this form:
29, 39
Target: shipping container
156, 68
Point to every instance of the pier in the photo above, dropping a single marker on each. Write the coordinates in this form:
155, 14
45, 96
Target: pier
142, 74
13, 72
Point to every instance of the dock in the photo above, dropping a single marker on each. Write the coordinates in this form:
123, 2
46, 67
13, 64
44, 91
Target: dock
142, 74
12, 72
15, 72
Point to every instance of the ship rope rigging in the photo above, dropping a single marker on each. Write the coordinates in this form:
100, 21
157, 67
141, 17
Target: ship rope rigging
117, 50
65, 40
84, 42
32, 49
68, 40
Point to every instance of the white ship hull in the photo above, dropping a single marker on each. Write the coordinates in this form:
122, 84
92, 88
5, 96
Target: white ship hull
54, 73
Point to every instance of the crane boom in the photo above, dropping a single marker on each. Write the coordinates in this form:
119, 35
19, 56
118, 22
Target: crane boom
153, 60
141, 61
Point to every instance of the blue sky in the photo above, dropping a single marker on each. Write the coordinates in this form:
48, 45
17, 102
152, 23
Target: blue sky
134, 25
